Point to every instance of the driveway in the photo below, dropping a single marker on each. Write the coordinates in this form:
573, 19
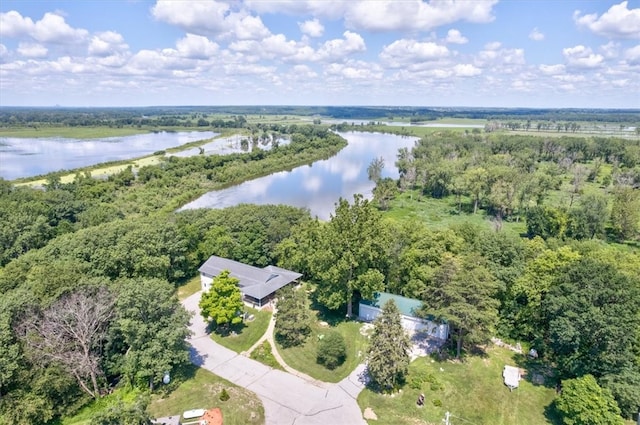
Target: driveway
287, 399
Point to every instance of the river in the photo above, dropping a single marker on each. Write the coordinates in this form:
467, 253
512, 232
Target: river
28, 157
318, 186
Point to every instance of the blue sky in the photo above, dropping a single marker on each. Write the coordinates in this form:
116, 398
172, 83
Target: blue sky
498, 53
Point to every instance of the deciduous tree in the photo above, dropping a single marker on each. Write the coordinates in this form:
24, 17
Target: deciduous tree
70, 333
625, 214
222, 304
350, 254
592, 316
150, 329
584, 402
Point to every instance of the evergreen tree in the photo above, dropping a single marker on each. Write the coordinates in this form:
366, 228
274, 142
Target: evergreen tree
293, 322
332, 350
388, 355
463, 293
222, 303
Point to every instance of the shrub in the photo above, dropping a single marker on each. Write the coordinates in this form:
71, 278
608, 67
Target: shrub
224, 395
436, 386
332, 350
417, 379
437, 402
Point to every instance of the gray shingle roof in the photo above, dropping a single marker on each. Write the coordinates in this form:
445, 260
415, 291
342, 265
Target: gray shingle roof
254, 282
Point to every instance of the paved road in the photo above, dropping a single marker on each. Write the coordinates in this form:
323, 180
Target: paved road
287, 399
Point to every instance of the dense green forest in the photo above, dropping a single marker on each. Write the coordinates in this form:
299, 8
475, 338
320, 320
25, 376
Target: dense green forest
568, 286
191, 115
105, 256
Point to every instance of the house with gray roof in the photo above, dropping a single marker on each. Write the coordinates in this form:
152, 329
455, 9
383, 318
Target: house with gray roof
257, 285
409, 307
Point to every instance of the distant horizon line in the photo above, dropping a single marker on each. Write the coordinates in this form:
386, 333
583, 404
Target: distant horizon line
381, 106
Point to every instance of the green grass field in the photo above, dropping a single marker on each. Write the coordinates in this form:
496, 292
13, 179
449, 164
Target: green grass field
246, 334
473, 392
263, 354
71, 132
442, 213
202, 391
303, 357
96, 170
189, 288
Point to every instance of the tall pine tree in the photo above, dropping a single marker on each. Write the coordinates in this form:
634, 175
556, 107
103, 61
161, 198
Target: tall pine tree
463, 293
388, 356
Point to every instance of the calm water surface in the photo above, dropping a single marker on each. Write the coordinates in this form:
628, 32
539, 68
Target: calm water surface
27, 157
318, 186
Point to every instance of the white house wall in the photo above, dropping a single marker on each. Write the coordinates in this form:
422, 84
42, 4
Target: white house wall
436, 330
205, 281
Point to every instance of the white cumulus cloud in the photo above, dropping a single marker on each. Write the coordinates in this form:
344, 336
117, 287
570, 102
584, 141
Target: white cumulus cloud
582, 57
552, 69
106, 44
415, 15
466, 70
210, 17
312, 28
454, 36
342, 47
617, 22
52, 28
632, 55
196, 47
197, 17
406, 51
32, 50
536, 35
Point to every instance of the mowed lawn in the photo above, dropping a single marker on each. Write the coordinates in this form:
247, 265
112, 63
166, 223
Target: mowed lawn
241, 337
202, 391
303, 357
473, 392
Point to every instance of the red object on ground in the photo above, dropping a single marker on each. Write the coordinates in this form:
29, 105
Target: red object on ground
212, 417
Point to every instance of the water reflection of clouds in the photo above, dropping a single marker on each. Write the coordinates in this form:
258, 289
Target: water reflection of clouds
312, 183
227, 145
24, 157
317, 187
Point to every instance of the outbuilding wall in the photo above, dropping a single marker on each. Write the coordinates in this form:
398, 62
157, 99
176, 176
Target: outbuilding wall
414, 324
